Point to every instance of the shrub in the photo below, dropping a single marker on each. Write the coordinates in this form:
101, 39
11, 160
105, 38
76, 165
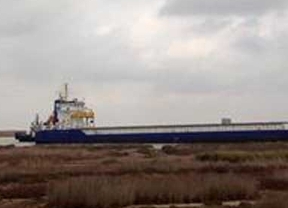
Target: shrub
117, 153
110, 161
177, 150
148, 151
154, 166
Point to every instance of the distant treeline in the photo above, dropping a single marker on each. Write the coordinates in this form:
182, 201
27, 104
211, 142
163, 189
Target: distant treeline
8, 133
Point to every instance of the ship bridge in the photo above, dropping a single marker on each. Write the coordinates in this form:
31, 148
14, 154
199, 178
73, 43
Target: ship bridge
69, 114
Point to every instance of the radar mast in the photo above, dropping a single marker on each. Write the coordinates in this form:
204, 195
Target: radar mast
66, 91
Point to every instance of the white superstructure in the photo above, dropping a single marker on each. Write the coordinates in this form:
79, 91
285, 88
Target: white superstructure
67, 114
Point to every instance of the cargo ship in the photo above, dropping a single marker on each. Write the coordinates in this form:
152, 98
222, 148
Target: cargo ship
73, 122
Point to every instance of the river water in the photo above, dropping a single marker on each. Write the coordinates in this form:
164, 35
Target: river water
6, 141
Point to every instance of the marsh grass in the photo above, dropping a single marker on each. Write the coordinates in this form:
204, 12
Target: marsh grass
107, 192
273, 200
158, 165
242, 156
147, 151
277, 181
116, 176
179, 150
187, 149
13, 191
110, 161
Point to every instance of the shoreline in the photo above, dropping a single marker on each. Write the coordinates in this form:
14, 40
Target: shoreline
9, 133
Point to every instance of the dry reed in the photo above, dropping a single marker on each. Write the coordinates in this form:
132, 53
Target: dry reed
107, 192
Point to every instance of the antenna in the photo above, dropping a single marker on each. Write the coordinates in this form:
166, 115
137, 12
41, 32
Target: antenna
66, 91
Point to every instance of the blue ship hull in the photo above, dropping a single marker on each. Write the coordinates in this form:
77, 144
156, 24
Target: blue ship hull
78, 136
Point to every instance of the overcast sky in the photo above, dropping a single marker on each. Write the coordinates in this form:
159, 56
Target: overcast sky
145, 61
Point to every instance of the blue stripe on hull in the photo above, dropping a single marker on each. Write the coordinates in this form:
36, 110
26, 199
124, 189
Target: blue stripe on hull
77, 136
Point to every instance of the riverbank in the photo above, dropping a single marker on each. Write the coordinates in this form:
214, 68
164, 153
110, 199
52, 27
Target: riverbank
9, 133
109, 176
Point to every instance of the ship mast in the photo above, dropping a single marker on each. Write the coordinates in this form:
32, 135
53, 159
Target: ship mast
64, 95
66, 91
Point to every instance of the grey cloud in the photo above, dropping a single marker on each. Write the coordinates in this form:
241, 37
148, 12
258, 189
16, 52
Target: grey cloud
45, 43
22, 17
60, 46
256, 65
222, 7
252, 45
208, 26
